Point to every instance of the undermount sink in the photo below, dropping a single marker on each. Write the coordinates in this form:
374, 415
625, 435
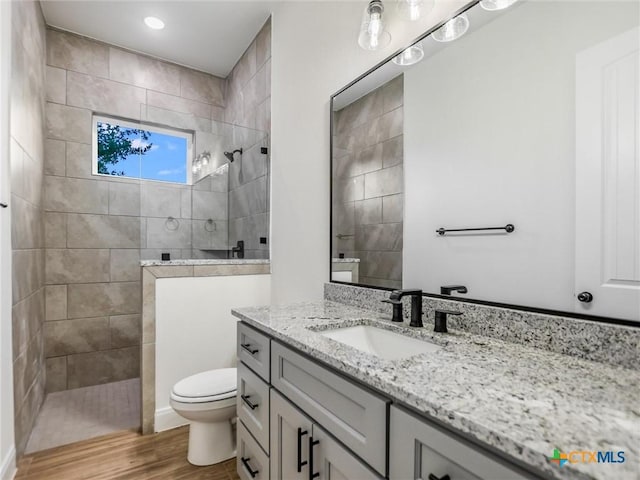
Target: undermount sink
381, 342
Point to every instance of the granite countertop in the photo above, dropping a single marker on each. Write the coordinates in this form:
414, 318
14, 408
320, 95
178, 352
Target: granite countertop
345, 260
520, 400
208, 261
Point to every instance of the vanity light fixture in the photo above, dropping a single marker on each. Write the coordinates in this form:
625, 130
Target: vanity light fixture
412, 10
452, 30
492, 5
410, 55
373, 35
154, 22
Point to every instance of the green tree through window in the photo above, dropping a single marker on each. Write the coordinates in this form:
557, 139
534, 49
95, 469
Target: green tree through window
116, 143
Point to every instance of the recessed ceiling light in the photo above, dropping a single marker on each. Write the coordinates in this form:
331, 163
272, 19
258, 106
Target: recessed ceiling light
154, 22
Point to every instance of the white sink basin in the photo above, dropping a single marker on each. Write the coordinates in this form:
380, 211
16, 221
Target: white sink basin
378, 341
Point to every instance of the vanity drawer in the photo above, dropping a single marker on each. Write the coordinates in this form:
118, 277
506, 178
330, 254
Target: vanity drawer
354, 415
253, 405
252, 463
420, 450
253, 350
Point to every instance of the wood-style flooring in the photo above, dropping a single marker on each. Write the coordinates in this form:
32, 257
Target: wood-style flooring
124, 455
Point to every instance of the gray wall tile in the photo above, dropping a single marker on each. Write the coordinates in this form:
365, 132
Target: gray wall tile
159, 234
64, 337
68, 123
387, 181
368, 211
393, 208
144, 72
29, 263
96, 299
160, 201
179, 104
102, 231
96, 368
202, 87
64, 266
56, 85
126, 330
125, 265
54, 157
55, 302
56, 374
124, 199
72, 52
55, 230
105, 96
75, 195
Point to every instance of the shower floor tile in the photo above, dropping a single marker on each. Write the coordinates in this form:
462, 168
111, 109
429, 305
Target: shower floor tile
88, 412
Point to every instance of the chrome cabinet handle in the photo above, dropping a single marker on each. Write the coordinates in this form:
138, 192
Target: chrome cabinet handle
245, 399
245, 462
247, 347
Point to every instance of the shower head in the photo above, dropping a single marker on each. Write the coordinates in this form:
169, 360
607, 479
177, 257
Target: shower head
230, 155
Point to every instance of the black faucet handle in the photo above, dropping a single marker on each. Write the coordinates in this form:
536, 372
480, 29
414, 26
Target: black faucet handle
440, 324
448, 289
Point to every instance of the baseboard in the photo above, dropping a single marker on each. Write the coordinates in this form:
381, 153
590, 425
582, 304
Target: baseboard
166, 418
8, 466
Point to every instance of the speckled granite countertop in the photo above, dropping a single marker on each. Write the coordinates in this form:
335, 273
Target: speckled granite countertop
345, 260
522, 401
208, 261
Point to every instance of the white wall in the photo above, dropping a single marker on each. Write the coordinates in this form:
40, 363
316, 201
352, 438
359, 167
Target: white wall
195, 330
7, 448
314, 54
490, 140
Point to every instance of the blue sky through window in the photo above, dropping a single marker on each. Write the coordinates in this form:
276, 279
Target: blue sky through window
166, 160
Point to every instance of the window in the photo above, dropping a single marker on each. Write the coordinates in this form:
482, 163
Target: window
134, 150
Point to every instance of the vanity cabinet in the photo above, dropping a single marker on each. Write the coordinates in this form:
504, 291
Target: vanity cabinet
301, 448
300, 420
418, 450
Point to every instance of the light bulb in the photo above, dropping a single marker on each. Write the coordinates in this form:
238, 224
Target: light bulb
412, 10
373, 35
492, 5
410, 55
452, 30
154, 23
194, 169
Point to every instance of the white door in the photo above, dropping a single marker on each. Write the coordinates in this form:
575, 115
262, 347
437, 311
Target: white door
608, 177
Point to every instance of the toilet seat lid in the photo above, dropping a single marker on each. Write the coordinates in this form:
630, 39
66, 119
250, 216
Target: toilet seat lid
220, 383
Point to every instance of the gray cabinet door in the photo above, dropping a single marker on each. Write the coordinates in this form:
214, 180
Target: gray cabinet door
290, 432
355, 415
418, 450
332, 461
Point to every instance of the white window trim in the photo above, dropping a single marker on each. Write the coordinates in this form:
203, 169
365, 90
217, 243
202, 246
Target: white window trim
165, 130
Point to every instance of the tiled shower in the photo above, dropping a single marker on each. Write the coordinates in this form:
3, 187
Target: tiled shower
78, 238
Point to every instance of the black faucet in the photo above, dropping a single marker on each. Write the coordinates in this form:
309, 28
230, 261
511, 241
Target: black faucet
238, 250
447, 289
416, 306
441, 320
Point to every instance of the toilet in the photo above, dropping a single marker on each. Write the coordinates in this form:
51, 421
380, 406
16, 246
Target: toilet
208, 401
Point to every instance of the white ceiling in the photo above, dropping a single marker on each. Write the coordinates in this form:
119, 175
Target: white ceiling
205, 35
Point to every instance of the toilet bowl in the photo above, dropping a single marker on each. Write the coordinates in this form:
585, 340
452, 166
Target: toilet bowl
208, 401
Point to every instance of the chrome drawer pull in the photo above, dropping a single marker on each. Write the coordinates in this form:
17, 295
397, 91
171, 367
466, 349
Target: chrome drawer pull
245, 462
247, 347
245, 399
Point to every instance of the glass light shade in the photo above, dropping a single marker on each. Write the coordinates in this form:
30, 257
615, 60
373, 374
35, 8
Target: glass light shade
373, 35
492, 5
452, 30
413, 10
410, 55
